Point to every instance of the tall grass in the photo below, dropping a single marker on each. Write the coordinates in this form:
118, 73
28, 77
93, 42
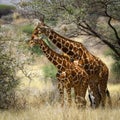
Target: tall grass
40, 108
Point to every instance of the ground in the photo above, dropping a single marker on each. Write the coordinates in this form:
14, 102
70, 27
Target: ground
37, 110
39, 99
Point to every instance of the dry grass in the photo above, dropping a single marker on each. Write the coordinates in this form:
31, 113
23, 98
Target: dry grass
58, 113
42, 104
40, 99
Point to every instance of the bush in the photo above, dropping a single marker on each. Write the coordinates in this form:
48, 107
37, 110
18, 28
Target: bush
27, 29
50, 71
7, 18
8, 82
115, 68
36, 49
6, 9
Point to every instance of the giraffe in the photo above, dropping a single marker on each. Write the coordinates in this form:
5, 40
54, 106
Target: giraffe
96, 69
68, 74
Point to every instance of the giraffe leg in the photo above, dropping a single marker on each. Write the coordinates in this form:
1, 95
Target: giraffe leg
68, 89
103, 97
83, 89
109, 98
75, 92
103, 78
95, 95
80, 100
91, 97
80, 93
61, 92
102, 90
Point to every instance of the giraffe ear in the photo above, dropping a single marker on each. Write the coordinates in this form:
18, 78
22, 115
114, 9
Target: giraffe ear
42, 25
35, 22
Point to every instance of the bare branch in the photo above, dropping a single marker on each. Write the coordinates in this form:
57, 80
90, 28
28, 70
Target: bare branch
112, 27
102, 39
25, 74
84, 29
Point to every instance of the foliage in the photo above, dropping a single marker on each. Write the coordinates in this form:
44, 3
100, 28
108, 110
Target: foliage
8, 81
27, 29
84, 14
36, 49
14, 55
116, 70
6, 9
7, 18
49, 71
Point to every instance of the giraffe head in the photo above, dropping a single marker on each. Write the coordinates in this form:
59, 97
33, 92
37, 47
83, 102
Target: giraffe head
34, 41
31, 43
41, 28
35, 35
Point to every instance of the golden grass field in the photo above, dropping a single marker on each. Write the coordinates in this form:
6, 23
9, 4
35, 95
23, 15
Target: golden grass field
39, 105
39, 101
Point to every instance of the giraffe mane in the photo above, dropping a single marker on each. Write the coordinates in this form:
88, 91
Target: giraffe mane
43, 26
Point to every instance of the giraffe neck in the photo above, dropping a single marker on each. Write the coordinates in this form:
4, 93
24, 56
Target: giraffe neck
58, 60
75, 49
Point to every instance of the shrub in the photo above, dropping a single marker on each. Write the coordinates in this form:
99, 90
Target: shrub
50, 71
8, 82
7, 18
115, 68
27, 29
36, 49
6, 9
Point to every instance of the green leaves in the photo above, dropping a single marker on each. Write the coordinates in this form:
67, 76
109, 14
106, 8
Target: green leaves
27, 28
49, 71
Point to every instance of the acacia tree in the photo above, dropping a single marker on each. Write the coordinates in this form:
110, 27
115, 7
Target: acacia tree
85, 14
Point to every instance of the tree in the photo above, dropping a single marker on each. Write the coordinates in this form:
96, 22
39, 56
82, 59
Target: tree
85, 14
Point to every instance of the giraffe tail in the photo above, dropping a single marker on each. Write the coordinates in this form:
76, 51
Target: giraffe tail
109, 98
